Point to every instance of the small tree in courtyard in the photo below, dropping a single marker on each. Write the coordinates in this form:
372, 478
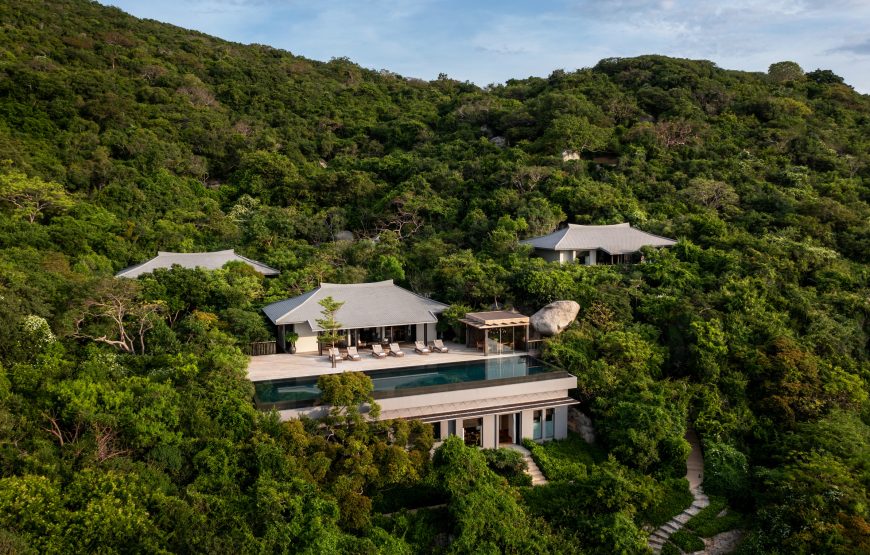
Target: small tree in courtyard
329, 324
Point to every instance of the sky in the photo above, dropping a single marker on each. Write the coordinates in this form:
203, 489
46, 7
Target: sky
491, 41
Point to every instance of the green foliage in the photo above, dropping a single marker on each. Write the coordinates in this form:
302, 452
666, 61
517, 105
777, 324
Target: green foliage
675, 499
31, 197
687, 541
508, 464
726, 471
643, 427
126, 420
486, 515
708, 523
565, 459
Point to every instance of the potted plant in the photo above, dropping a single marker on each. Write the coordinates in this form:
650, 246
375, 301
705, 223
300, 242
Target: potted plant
291, 337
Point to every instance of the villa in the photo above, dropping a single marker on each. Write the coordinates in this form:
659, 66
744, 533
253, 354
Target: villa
487, 391
372, 313
595, 244
205, 260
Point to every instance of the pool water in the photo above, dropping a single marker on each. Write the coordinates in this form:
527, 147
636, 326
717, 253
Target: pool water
303, 392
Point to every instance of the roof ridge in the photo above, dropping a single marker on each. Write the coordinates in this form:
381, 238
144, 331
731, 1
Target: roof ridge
231, 251
326, 285
623, 224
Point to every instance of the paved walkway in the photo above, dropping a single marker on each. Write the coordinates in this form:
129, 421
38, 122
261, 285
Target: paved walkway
538, 478
271, 367
695, 476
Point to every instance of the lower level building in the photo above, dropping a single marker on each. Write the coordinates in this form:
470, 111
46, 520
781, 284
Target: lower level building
487, 401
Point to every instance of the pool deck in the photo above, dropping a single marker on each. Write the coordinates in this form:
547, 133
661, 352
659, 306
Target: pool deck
273, 367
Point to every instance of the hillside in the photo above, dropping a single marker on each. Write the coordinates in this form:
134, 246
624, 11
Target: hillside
120, 137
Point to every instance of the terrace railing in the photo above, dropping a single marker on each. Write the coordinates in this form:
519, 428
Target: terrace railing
259, 348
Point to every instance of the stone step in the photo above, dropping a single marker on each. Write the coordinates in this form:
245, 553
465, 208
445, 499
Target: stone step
670, 528
692, 511
682, 518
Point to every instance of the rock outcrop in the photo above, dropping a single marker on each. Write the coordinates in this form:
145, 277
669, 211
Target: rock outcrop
554, 317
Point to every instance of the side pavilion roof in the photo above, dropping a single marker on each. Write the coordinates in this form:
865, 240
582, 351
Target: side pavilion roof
613, 239
366, 305
205, 260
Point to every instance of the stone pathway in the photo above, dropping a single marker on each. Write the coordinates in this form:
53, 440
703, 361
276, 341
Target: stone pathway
538, 478
723, 543
695, 476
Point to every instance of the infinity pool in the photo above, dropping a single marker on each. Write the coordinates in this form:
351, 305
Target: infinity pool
303, 392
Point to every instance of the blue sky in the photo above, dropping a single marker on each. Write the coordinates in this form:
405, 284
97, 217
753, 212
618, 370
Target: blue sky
491, 41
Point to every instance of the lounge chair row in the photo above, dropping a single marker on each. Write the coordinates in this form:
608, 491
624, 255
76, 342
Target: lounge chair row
352, 353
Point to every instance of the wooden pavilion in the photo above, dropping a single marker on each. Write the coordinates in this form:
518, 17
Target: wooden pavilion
496, 331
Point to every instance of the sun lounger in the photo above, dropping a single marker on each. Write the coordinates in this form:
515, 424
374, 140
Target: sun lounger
378, 351
396, 351
334, 354
421, 348
439, 347
352, 354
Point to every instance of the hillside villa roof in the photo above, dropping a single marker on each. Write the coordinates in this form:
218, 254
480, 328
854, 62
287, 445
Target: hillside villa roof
204, 260
366, 305
612, 239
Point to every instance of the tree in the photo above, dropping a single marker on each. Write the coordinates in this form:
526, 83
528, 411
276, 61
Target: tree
31, 197
712, 194
784, 72
329, 324
116, 316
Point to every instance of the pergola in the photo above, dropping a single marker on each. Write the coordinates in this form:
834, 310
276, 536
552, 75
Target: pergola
495, 330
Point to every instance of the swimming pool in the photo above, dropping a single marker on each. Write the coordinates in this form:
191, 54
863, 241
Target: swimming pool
290, 393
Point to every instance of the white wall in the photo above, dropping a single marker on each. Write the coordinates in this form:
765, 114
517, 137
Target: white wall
307, 342
431, 332
548, 255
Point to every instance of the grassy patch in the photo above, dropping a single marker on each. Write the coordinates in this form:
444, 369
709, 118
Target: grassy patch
676, 499
706, 524
687, 541
565, 459
671, 549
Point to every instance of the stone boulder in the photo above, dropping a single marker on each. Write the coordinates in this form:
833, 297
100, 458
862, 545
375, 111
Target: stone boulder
554, 317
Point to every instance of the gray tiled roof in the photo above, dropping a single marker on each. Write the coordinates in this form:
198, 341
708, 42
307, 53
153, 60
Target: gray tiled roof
613, 239
366, 305
205, 260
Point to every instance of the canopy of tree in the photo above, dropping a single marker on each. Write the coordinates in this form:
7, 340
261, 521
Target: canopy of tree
126, 422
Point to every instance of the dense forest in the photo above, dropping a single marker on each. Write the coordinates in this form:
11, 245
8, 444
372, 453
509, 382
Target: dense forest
126, 420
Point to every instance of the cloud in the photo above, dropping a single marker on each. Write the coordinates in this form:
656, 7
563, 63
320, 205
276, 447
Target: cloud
860, 48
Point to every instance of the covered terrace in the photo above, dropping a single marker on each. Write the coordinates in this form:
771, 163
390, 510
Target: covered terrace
496, 332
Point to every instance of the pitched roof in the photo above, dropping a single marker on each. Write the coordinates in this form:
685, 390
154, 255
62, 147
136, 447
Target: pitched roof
613, 239
205, 260
366, 305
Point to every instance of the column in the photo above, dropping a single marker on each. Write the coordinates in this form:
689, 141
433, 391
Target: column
526, 424
488, 433
561, 423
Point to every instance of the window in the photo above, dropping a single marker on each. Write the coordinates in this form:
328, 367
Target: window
436, 430
451, 427
549, 423
536, 425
